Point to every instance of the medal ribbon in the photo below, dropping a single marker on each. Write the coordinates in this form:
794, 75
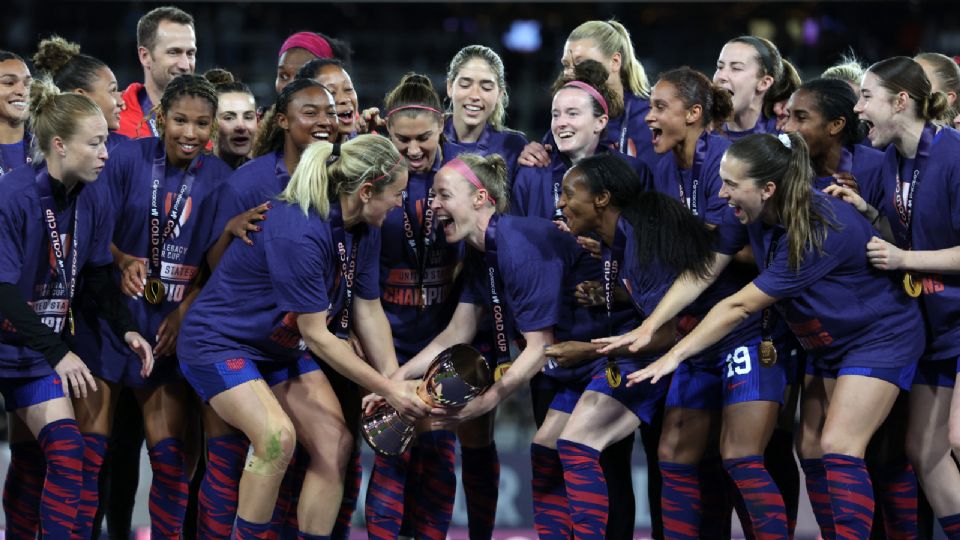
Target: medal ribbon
501, 323
623, 130
348, 264
158, 237
699, 156
612, 261
766, 322
905, 208
55, 235
419, 246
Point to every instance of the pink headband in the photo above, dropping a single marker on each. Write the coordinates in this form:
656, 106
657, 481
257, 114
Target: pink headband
458, 165
593, 93
309, 41
405, 107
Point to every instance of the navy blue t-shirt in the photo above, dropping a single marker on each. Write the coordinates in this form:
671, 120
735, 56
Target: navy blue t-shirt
712, 210
837, 303
126, 182
506, 142
866, 165
936, 225
26, 258
413, 325
540, 267
249, 307
536, 190
254, 183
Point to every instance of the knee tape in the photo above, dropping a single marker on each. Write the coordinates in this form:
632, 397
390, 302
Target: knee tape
275, 459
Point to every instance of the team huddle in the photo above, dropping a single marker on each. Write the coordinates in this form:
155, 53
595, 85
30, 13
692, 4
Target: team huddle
700, 259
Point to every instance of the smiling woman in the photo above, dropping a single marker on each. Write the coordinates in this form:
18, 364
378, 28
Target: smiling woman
54, 239
164, 192
15, 81
417, 271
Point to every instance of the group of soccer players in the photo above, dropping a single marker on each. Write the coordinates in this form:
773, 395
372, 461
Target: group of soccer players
695, 257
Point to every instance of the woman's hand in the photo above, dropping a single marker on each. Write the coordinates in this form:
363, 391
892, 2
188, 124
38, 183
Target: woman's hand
665, 365
848, 195
402, 396
884, 255
133, 275
246, 222
75, 374
371, 402
571, 353
167, 334
848, 181
140, 346
589, 294
370, 121
535, 154
592, 245
634, 340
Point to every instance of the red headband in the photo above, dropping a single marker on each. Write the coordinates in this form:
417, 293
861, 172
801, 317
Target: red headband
593, 93
309, 41
420, 107
389, 173
458, 165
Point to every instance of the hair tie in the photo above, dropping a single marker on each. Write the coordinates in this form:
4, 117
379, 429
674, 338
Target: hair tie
336, 149
310, 41
785, 140
406, 107
461, 167
593, 93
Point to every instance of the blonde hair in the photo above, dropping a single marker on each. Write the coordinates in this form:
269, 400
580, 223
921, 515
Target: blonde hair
320, 176
611, 37
56, 114
491, 171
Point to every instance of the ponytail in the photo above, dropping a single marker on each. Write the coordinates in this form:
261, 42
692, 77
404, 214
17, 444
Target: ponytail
321, 176
611, 38
666, 233
785, 161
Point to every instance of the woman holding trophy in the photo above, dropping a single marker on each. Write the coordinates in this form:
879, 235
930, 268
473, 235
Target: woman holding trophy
315, 266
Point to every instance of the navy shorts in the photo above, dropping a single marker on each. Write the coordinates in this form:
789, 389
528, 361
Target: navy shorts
22, 392
698, 385
212, 379
936, 373
643, 399
902, 377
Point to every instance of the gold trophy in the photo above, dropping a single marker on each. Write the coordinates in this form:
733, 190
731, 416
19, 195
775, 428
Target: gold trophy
456, 376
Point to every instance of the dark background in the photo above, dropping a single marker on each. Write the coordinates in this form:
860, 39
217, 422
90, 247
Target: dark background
389, 39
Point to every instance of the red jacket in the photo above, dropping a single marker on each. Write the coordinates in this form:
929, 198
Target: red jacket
132, 121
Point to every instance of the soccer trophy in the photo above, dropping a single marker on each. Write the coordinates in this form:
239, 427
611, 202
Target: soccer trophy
455, 376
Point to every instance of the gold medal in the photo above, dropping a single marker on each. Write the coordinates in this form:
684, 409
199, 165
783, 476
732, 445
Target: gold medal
154, 291
500, 370
613, 375
912, 286
73, 328
768, 353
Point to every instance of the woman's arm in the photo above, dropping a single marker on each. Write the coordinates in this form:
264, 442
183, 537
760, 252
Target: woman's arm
338, 354
886, 256
720, 321
530, 360
461, 329
373, 329
681, 294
